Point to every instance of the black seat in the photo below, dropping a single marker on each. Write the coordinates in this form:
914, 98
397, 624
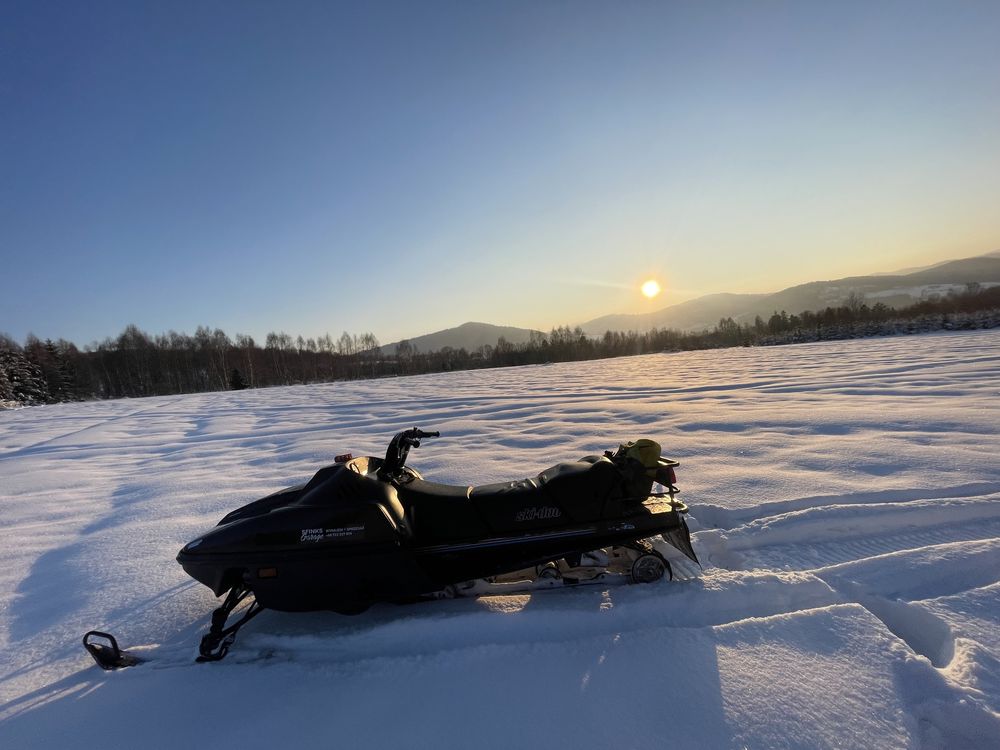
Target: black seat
583, 486
523, 489
440, 513
563, 494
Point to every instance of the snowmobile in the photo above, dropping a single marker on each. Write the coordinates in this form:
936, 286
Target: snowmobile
367, 529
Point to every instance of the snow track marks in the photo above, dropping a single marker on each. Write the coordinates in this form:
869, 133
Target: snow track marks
886, 556
921, 565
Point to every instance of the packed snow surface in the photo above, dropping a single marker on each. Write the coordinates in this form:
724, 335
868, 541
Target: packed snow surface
845, 499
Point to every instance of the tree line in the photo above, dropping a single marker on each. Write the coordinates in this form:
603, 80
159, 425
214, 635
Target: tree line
137, 364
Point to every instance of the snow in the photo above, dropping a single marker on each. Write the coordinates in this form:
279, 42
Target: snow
926, 291
845, 498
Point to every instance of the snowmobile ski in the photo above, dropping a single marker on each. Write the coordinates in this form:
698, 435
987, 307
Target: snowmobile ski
108, 655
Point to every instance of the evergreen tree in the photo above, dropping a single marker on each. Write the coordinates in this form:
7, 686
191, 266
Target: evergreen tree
6, 389
25, 383
236, 381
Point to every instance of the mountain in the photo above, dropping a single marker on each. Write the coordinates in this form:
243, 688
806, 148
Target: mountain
915, 269
909, 269
469, 336
897, 290
695, 314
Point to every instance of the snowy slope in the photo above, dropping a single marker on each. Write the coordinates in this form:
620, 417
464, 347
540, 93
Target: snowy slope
847, 501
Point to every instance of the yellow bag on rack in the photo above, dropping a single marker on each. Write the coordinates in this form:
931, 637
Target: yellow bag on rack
646, 452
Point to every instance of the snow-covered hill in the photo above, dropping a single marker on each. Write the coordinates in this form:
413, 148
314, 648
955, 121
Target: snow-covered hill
846, 498
900, 289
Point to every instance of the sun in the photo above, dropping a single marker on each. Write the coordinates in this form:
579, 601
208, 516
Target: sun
651, 288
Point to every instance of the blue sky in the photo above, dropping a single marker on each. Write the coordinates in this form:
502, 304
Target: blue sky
401, 168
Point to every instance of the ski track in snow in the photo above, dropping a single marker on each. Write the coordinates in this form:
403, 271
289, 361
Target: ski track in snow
845, 499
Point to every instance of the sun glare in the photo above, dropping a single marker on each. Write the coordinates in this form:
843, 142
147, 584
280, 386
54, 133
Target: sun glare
651, 288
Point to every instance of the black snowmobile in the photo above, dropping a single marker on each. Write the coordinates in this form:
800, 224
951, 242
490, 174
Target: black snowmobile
365, 530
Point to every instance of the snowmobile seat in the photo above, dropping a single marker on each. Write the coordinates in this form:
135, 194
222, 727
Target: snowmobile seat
565, 493
439, 513
517, 507
581, 487
523, 489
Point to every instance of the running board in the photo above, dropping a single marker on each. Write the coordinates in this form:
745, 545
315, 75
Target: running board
483, 587
635, 563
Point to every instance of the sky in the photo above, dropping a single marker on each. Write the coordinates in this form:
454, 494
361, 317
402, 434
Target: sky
405, 167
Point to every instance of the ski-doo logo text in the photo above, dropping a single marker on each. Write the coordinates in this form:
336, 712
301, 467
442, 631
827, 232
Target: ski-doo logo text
311, 535
536, 513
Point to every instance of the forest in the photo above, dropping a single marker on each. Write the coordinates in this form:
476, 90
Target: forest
136, 363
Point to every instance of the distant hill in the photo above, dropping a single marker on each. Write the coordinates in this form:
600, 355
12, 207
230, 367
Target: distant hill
894, 289
915, 269
469, 336
693, 315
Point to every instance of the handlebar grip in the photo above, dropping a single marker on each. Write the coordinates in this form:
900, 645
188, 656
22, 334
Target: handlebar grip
422, 434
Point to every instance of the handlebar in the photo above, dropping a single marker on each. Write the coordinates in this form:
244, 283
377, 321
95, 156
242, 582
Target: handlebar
399, 448
413, 437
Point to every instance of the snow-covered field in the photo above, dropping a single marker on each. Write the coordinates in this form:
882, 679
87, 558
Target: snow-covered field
847, 497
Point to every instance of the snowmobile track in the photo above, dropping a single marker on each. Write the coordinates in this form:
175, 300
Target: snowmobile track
823, 535
822, 554
858, 562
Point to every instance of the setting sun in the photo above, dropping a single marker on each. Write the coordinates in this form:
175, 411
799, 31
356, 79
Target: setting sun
651, 288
